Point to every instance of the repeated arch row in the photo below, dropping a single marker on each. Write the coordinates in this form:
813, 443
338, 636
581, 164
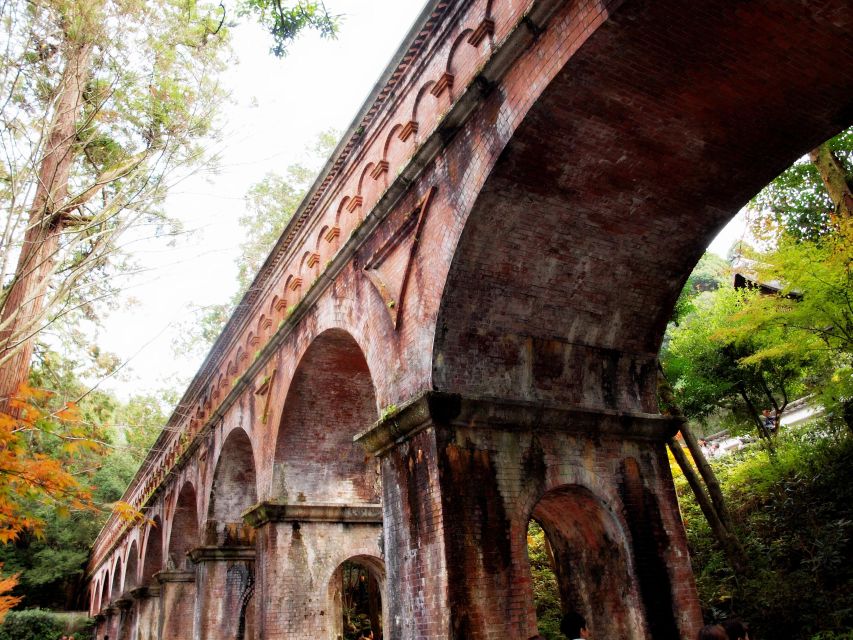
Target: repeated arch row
418, 111
208, 511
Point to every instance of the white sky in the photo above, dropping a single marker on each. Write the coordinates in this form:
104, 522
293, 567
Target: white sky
279, 107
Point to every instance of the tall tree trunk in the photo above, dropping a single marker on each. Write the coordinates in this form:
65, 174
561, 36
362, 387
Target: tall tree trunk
724, 535
836, 179
24, 302
714, 509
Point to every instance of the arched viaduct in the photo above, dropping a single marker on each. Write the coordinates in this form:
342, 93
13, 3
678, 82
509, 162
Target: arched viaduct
458, 331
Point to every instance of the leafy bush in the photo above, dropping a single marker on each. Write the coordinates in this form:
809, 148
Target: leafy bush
40, 624
794, 515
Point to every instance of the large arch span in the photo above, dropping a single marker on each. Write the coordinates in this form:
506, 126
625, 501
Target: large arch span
474, 292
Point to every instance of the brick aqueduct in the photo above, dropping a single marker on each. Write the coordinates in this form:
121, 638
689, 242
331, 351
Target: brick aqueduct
458, 331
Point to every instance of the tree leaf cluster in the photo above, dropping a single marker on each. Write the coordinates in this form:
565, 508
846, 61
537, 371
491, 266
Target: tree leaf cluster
794, 517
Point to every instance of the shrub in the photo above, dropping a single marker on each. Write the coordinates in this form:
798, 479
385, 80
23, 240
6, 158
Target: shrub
794, 515
40, 624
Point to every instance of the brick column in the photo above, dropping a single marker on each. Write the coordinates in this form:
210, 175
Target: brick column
147, 603
177, 604
300, 547
100, 625
110, 624
124, 624
224, 595
461, 478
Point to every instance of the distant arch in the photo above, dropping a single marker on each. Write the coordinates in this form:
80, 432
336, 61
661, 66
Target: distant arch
131, 571
184, 533
233, 491
153, 553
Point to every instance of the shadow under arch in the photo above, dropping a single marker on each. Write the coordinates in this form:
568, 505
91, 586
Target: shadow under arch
184, 533
614, 182
153, 561
358, 596
234, 490
331, 398
591, 562
131, 572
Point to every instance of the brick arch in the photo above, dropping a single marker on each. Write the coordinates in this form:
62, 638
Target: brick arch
184, 530
592, 563
105, 591
131, 571
233, 489
579, 236
330, 399
153, 551
115, 587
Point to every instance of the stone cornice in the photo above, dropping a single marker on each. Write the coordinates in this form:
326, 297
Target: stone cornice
174, 576
266, 512
218, 554
434, 407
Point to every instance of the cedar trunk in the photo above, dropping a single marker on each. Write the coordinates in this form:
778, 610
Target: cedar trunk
23, 307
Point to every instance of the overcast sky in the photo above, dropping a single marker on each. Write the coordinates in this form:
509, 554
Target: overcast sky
278, 108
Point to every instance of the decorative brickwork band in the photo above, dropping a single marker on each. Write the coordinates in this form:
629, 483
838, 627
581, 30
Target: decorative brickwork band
444, 82
485, 28
408, 129
434, 407
266, 512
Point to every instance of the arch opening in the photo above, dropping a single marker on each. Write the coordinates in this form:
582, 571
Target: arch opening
131, 572
184, 534
357, 593
115, 589
234, 490
579, 563
105, 592
331, 399
153, 552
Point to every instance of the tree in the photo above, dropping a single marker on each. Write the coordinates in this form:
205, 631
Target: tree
49, 554
285, 22
102, 101
807, 201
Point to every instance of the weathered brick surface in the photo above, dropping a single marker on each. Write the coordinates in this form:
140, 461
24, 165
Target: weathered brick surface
298, 581
510, 219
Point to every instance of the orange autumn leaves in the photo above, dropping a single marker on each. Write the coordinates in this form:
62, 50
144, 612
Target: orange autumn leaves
39, 446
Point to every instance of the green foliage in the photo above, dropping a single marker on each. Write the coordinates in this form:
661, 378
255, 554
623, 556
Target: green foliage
796, 202
546, 593
794, 515
285, 22
709, 274
711, 360
51, 565
39, 624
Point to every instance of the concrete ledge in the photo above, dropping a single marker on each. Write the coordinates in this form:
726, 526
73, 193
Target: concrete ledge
174, 576
218, 554
266, 512
435, 407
